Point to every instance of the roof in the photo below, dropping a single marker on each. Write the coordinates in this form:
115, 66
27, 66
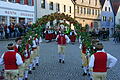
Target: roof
115, 6
102, 2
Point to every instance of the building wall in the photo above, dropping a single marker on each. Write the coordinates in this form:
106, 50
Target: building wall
107, 15
88, 12
41, 11
117, 21
15, 12
45, 11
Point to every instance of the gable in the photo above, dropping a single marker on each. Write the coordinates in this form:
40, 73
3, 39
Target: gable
107, 5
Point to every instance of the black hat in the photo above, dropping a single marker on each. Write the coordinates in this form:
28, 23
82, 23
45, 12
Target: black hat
10, 44
99, 46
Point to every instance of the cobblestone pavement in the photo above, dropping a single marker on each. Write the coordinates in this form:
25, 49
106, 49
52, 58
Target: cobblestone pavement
50, 69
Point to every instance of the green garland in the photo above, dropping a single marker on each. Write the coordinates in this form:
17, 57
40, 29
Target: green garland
40, 24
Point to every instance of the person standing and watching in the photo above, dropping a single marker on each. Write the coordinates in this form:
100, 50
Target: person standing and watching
11, 61
98, 63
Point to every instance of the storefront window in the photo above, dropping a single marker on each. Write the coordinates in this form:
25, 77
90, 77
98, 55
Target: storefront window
22, 20
30, 2
3, 20
3, 0
13, 20
11, 1
29, 20
21, 1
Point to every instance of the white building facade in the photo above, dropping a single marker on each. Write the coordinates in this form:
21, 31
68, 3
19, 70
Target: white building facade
12, 11
117, 21
45, 7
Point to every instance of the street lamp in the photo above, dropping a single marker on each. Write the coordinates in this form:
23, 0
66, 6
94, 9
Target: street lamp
74, 2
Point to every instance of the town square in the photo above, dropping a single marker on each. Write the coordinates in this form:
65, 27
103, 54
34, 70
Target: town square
59, 39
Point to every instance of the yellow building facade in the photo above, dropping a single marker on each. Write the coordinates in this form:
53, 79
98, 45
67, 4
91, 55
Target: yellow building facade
87, 12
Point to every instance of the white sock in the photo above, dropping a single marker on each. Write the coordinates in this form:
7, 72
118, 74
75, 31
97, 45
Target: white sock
85, 69
30, 67
26, 74
60, 56
34, 63
63, 56
20, 78
37, 59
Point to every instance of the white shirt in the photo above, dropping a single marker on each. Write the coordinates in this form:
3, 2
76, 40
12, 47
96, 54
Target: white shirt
112, 59
66, 37
34, 44
18, 59
72, 32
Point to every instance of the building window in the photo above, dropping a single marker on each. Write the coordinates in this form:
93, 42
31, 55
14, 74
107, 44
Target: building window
88, 11
89, 1
64, 8
95, 2
93, 12
13, 19
109, 8
2, 0
3, 19
110, 19
57, 7
78, 9
42, 3
70, 9
82, 1
81, 10
12, 1
30, 2
98, 12
104, 18
84, 10
21, 1
105, 8
51, 5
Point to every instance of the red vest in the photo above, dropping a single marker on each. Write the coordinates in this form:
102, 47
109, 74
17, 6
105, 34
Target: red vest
84, 49
10, 60
16, 50
47, 36
72, 38
61, 40
28, 52
100, 63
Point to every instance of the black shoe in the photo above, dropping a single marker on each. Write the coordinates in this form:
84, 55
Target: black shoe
37, 64
29, 72
63, 62
60, 60
26, 79
84, 74
33, 68
91, 79
88, 74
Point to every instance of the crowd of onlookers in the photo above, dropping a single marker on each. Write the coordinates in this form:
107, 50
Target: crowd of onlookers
101, 34
116, 36
13, 30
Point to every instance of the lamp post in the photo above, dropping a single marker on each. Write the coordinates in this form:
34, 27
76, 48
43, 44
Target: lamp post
35, 10
74, 3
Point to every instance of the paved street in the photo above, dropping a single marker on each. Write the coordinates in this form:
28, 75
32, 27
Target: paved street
50, 69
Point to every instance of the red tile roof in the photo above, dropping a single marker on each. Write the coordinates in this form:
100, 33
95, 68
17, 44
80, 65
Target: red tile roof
115, 6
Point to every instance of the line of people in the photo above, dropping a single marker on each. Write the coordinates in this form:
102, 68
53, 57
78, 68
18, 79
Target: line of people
13, 30
18, 62
51, 35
